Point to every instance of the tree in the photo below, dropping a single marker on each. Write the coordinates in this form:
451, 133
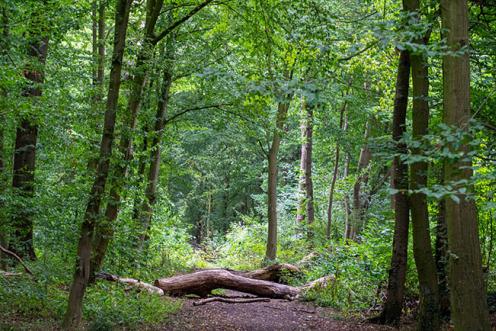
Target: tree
4, 49
82, 268
359, 195
23, 170
282, 112
343, 127
428, 318
393, 305
119, 173
467, 292
305, 205
146, 210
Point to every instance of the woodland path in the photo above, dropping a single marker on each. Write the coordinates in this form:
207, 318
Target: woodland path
264, 316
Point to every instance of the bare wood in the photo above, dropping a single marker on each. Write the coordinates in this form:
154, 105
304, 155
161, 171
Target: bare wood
202, 282
272, 273
229, 300
14, 255
10, 274
132, 282
322, 282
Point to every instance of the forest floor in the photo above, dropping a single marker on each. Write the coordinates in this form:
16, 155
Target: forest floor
263, 316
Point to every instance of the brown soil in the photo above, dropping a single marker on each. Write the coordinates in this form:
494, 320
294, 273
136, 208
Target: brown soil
264, 316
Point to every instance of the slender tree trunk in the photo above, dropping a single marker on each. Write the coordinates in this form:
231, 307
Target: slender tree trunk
142, 161
160, 121
397, 274
305, 205
98, 43
26, 139
4, 51
428, 318
468, 296
282, 112
105, 228
346, 199
357, 213
334, 174
441, 257
82, 269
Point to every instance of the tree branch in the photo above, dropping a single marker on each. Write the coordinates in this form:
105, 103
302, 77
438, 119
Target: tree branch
173, 117
227, 300
174, 25
14, 255
366, 48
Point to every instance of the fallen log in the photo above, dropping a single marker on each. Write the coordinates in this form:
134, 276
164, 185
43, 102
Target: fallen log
132, 282
203, 282
274, 273
229, 300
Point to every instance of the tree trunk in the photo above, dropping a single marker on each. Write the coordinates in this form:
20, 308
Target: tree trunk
305, 205
441, 257
4, 52
397, 274
82, 268
468, 296
105, 228
428, 318
357, 213
26, 138
98, 44
334, 174
203, 282
160, 120
282, 111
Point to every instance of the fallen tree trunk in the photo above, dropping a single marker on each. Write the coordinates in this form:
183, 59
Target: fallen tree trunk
275, 273
203, 282
278, 273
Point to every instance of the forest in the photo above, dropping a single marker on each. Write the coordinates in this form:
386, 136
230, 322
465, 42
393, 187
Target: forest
247, 165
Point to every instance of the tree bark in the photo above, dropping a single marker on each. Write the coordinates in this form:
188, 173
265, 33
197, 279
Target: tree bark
357, 213
468, 296
397, 274
26, 138
105, 228
428, 318
441, 257
160, 120
282, 111
98, 44
335, 173
82, 268
305, 204
4, 51
203, 282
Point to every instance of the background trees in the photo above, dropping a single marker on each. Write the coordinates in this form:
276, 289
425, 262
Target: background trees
155, 137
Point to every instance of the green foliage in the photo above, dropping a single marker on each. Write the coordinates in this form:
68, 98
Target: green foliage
107, 305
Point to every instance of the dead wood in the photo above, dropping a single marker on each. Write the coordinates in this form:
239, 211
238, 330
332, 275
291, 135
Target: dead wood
274, 273
202, 282
229, 300
14, 255
132, 282
10, 274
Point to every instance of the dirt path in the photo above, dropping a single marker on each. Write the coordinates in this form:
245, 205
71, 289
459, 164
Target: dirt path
264, 316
